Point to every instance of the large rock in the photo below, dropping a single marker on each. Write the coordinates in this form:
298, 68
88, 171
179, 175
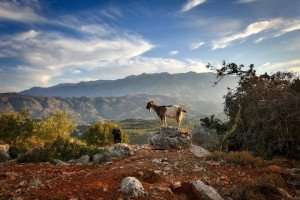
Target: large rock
121, 150
203, 191
101, 158
84, 160
4, 156
132, 187
170, 138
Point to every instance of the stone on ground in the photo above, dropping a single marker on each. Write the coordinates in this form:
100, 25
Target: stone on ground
121, 150
199, 151
170, 138
204, 191
132, 187
101, 158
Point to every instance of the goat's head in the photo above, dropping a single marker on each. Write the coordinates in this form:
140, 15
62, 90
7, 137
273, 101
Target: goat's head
149, 105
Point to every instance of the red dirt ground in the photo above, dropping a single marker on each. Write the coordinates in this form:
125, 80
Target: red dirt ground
78, 182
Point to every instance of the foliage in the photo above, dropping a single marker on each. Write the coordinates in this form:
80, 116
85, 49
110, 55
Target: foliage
214, 123
54, 126
61, 148
23, 132
244, 158
263, 112
100, 134
15, 126
66, 149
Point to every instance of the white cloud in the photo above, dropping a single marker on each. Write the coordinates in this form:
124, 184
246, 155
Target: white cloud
275, 28
138, 65
19, 11
289, 65
52, 53
245, 1
190, 4
174, 52
252, 29
258, 40
196, 45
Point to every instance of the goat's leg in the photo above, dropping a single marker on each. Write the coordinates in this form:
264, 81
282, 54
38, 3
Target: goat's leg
166, 122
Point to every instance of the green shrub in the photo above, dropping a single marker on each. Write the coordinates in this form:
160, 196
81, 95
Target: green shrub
100, 134
239, 158
67, 149
15, 126
34, 155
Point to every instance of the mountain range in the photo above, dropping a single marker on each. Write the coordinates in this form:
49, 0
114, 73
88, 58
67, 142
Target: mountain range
123, 98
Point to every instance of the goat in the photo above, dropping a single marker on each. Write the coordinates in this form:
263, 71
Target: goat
171, 111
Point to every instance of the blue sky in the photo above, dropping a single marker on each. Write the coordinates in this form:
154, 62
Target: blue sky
46, 42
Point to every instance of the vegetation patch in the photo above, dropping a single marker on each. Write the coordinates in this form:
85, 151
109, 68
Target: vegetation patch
243, 158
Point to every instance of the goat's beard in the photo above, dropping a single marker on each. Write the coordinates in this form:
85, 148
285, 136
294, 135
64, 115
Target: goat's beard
149, 109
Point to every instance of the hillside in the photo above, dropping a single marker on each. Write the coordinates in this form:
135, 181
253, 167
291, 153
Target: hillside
88, 109
190, 87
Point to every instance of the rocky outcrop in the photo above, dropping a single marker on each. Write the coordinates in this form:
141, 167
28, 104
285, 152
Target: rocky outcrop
170, 138
132, 187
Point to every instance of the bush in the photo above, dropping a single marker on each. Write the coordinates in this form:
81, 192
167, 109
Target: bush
34, 155
15, 126
244, 158
100, 134
67, 149
263, 112
61, 148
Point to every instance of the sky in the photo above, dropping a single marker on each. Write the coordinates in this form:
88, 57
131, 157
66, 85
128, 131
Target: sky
47, 42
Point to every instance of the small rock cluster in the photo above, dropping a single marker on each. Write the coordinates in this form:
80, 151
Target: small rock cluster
170, 138
119, 150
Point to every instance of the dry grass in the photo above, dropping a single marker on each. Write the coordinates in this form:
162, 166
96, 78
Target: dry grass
239, 158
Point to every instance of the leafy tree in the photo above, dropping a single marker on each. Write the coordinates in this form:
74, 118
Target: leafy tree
214, 123
54, 126
15, 126
100, 134
263, 111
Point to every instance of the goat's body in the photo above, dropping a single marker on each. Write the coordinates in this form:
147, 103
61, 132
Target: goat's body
164, 112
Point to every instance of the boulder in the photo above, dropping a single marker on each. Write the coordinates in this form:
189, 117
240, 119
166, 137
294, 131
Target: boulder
199, 151
204, 191
4, 156
85, 159
170, 138
196, 190
121, 150
59, 162
101, 158
132, 187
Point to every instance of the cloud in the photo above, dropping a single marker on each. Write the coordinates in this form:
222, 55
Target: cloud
252, 29
196, 45
275, 28
22, 11
190, 4
50, 53
245, 1
136, 66
289, 65
174, 52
